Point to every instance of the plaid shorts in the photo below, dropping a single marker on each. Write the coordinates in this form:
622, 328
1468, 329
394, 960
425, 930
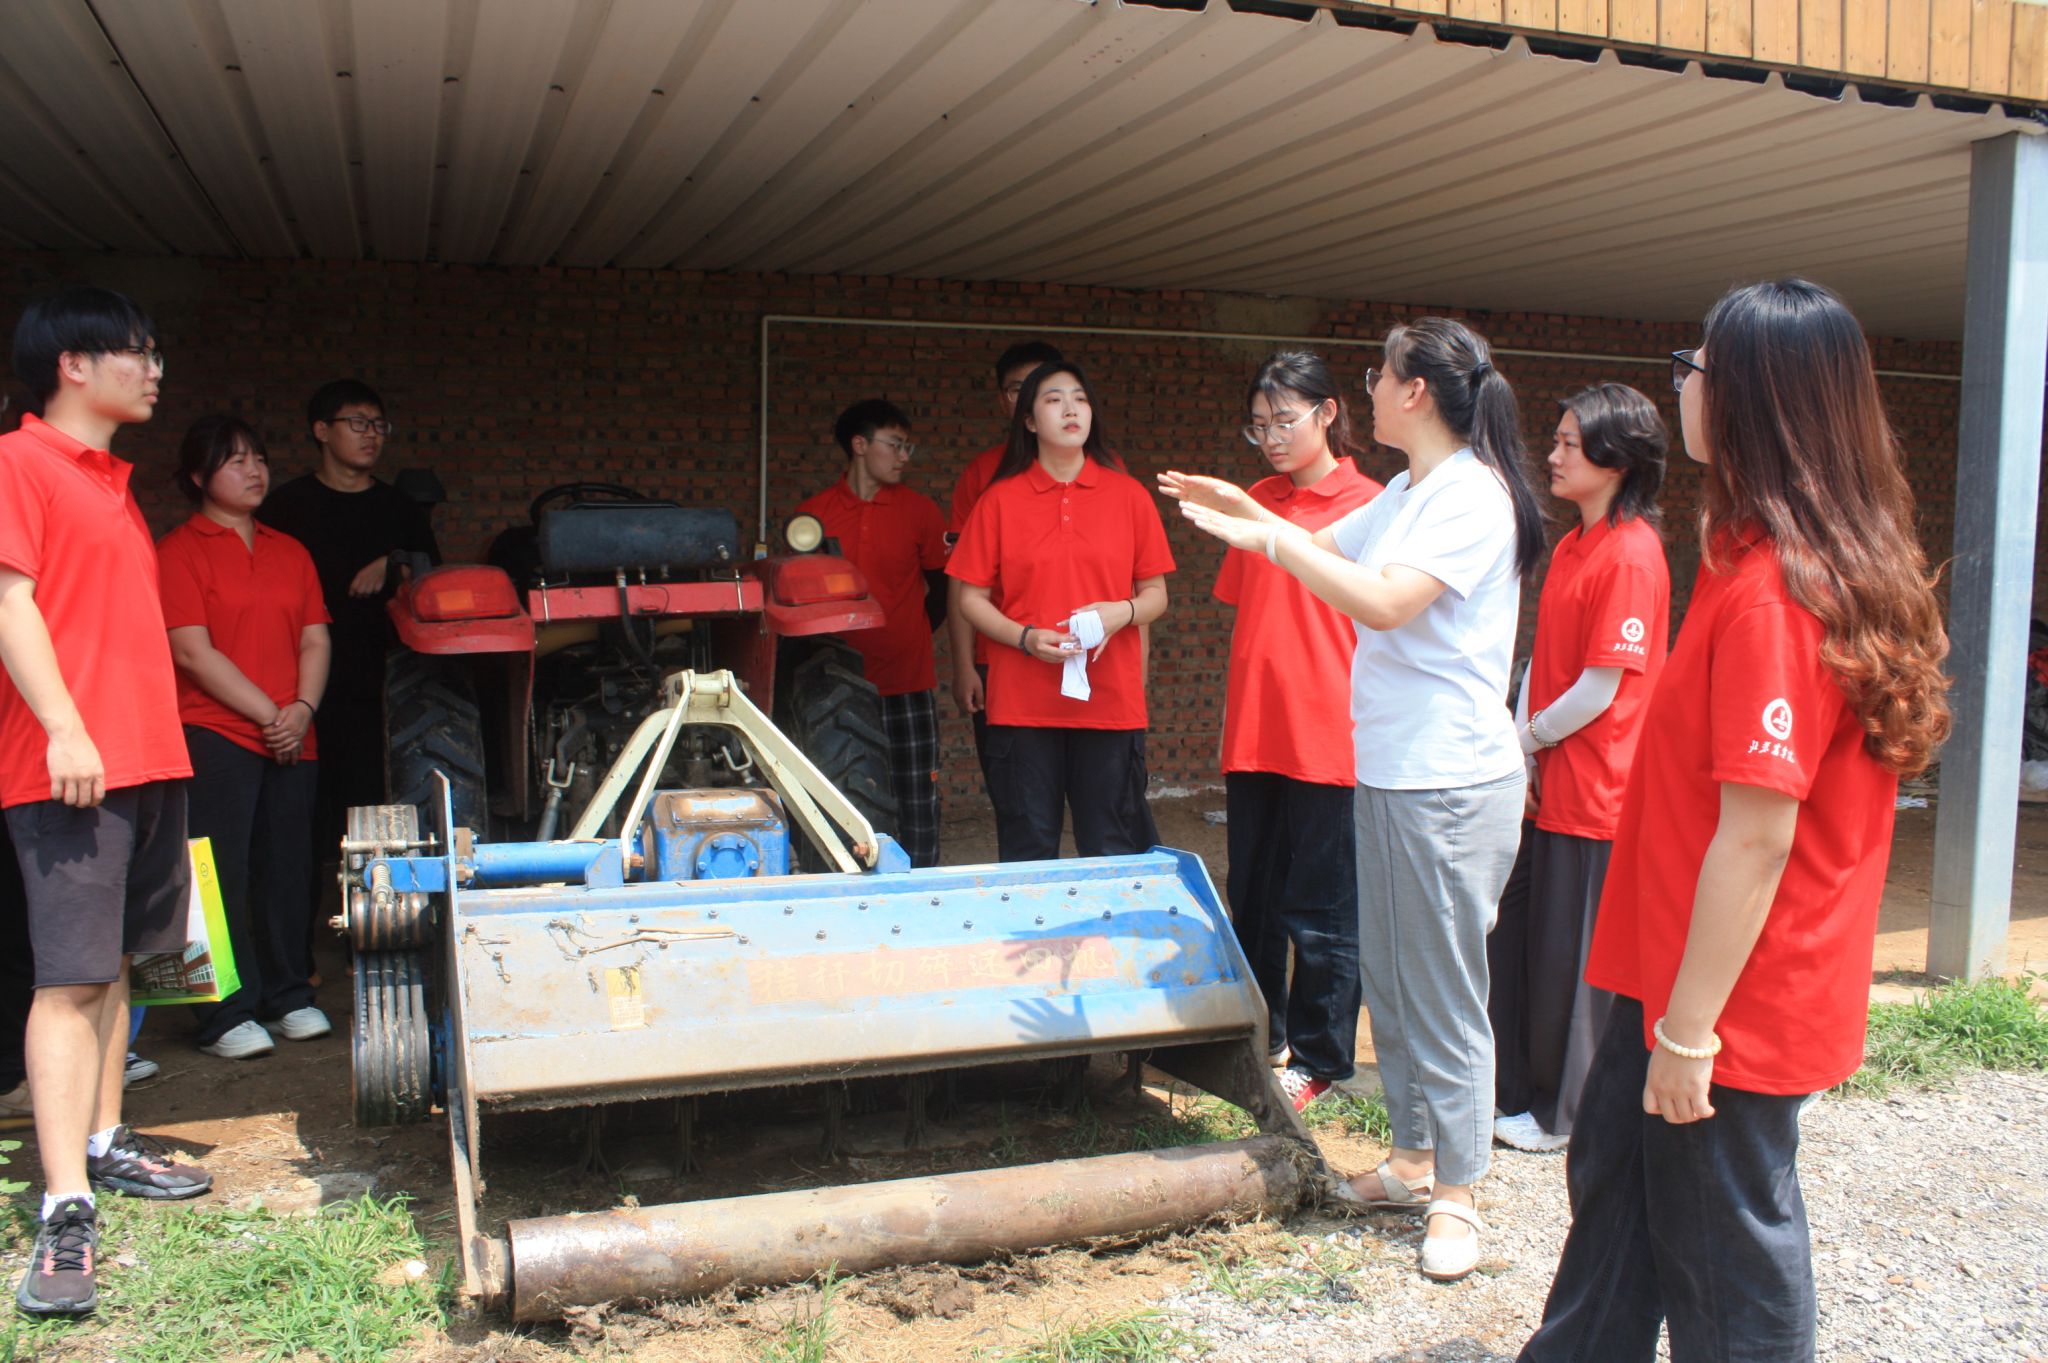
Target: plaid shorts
912, 723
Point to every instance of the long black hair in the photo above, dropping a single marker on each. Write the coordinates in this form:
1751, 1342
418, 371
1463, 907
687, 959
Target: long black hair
1619, 428
1022, 451
1303, 373
1477, 403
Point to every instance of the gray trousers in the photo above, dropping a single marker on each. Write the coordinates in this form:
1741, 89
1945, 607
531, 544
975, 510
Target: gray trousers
1431, 868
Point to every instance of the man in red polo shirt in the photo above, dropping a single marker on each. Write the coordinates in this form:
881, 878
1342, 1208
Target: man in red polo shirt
897, 538
92, 763
970, 650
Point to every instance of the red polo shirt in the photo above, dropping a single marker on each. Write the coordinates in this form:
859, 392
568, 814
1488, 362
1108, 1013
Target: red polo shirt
1050, 547
1288, 705
68, 520
894, 540
255, 605
1745, 698
1605, 603
974, 480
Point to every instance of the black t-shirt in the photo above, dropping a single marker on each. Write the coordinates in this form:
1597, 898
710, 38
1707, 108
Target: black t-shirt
345, 532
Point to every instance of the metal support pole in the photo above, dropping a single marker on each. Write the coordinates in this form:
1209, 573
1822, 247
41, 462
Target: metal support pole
1998, 474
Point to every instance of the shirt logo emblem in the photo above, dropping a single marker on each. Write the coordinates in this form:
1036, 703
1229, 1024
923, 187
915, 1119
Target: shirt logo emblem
1778, 719
1632, 630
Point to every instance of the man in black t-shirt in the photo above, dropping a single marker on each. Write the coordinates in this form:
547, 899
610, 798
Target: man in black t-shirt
351, 522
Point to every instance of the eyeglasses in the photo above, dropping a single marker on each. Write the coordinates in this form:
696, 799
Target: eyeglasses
1283, 428
1372, 380
151, 356
895, 444
363, 425
1682, 365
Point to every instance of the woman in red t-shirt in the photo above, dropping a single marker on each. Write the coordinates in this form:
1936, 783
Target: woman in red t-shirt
1288, 776
249, 635
1076, 552
1741, 903
1600, 643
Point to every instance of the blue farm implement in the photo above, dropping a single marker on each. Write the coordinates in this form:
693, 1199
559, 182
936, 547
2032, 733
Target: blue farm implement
678, 957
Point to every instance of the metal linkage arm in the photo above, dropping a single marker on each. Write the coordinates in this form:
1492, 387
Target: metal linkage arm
830, 820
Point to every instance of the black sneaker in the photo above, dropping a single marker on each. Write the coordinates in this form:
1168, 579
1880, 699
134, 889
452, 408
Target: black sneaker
59, 1281
141, 1166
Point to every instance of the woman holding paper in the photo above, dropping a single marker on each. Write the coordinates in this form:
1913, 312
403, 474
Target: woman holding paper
249, 636
1077, 553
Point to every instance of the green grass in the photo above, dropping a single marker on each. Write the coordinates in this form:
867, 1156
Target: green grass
1308, 1269
1359, 1114
1187, 1120
807, 1336
186, 1283
1141, 1337
1992, 1024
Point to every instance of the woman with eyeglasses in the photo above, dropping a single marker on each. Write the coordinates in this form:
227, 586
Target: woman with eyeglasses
1601, 632
1287, 768
1741, 903
248, 631
1430, 573
1074, 549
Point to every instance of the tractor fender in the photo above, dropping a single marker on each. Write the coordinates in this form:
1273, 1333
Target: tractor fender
460, 608
806, 594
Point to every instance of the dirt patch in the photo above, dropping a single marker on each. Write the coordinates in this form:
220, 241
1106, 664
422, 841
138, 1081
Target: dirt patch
268, 1126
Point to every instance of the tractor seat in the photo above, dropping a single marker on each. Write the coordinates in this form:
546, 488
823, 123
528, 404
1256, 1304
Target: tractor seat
635, 537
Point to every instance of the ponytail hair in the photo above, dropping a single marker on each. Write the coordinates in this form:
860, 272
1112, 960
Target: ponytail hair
1621, 429
1303, 373
1022, 451
1476, 402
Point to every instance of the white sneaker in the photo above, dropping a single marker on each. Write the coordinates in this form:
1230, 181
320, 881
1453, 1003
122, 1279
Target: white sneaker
16, 1109
302, 1024
1524, 1132
243, 1041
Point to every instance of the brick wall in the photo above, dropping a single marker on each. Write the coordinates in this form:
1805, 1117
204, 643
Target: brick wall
505, 381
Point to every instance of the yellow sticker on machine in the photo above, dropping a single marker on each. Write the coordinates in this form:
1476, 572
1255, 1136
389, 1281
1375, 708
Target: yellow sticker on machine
622, 989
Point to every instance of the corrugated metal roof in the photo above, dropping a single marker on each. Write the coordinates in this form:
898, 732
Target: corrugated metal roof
990, 139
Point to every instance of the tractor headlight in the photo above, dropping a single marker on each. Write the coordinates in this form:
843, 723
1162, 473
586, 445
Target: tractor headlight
804, 534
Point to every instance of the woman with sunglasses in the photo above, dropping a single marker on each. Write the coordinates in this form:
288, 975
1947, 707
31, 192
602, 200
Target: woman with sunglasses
1287, 769
1074, 549
1600, 641
1741, 903
1430, 571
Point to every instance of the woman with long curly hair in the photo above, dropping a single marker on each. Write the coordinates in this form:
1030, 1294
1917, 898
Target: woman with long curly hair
1741, 902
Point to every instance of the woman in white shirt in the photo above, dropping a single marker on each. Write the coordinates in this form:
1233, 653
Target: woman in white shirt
1430, 571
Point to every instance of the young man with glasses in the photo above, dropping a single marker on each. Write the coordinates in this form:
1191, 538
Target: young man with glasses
351, 522
92, 764
897, 538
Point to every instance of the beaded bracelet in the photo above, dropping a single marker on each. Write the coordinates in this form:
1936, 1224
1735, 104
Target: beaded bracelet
1706, 1052
1024, 640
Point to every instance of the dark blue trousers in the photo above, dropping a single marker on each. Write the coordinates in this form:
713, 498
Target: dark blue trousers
1702, 1225
1293, 882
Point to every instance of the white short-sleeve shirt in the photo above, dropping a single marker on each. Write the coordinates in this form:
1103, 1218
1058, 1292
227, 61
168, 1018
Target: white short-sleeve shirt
1429, 700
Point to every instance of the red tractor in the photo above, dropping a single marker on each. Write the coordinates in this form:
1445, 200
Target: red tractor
523, 679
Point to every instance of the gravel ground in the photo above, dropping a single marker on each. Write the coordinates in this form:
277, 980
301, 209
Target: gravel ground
1930, 1230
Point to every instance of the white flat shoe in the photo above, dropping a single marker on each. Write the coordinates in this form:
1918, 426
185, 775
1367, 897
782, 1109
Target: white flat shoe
1447, 1258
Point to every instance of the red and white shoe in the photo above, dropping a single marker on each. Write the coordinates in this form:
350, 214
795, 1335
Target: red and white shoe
1302, 1087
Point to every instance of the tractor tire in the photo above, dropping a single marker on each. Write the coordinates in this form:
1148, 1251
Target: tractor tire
432, 723
833, 713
